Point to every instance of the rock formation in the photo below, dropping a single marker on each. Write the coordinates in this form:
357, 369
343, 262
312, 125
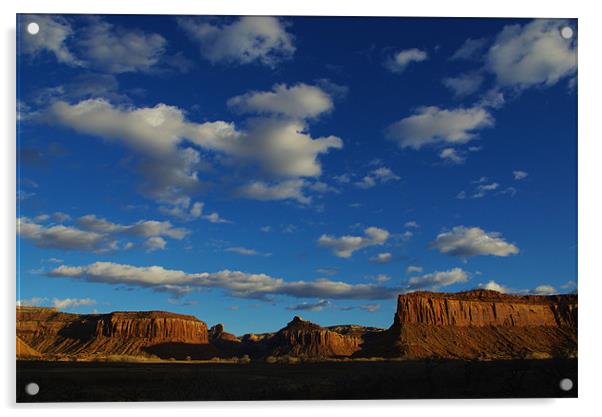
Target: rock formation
484, 324
305, 339
120, 333
478, 324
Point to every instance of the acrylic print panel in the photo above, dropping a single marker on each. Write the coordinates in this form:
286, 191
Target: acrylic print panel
190, 187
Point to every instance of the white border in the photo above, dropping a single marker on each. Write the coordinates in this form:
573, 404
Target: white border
590, 273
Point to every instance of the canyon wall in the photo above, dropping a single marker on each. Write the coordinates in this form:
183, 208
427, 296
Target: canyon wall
484, 324
485, 308
122, 333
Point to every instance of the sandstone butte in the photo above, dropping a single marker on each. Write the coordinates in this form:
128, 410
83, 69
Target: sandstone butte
479, 324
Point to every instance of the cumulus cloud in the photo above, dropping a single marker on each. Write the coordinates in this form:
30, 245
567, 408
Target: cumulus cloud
464, 84
299, 101
117, 50
61, 304
412, 269
382, 258
432, 125
380, 175
64, 237
260, 190
494, 286
473, 241
544, 290
52, 38
94, 234
470, 49
99, 45
279, 148
305, 306
411, 224
438, 279
519, 175
236, 283
452, 156
533, 54
71, 303
32, 302
246, 251
143, 228
155, 243
344, 246
380, 278
483, 189
399, 61
245, 40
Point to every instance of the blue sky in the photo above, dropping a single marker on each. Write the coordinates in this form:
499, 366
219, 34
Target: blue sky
245, 170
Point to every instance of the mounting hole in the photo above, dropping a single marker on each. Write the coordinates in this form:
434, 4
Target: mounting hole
33, 28
32, 388
566, 384
566, 32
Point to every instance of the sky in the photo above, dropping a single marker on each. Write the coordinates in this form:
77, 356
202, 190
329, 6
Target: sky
248, 169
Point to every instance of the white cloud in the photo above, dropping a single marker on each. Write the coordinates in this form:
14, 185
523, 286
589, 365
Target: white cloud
519, 175
322, 188
259, 190
154, 133
470, 49
407, 235
411, 224
245, 40
265, 229
32, 302
246, 251
464, 84
483, 189
432, 125
117, 50
155, 243
63, 237
216, 218
381, 278
71, 303
52, 37
344, 246
452, 156
238, 284
143, 228
400, 60
94, 234
544, 290
473, 241
380, 175
532, 54
299, 101
279, 148
382, 258
305, 306
438, 279
412, 269
494, 286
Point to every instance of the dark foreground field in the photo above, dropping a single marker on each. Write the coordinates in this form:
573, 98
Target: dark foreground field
80, 381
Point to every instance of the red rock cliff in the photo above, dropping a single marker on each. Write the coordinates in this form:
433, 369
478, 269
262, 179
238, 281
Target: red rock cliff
483, 324
306, 339
154, 326
122, 333
485, 308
